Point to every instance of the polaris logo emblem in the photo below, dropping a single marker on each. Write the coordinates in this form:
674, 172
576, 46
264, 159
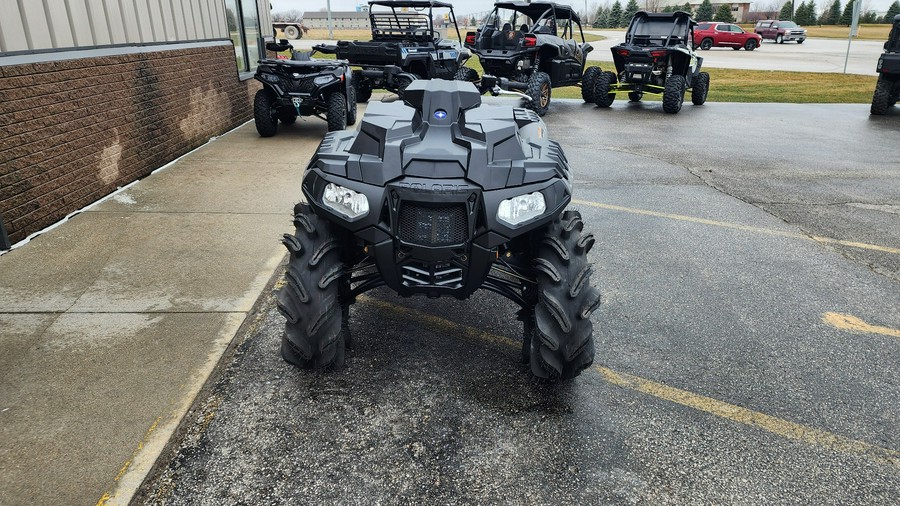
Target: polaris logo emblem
440, 114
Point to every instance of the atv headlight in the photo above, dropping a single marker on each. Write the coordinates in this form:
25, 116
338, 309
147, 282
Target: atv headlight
319, 81
345, 201
522, 208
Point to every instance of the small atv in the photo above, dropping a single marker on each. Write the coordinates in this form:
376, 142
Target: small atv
657, 58
405, 46
528, 48
440, 197
887, 90
302, 86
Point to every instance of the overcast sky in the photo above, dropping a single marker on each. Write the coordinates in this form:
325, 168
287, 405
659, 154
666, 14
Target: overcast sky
469, 6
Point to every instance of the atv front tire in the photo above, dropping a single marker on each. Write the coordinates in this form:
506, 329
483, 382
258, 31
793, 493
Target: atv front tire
588, 81
602, 85
673, 94
351, 106
362, 86
265, 114
539, 87
309, 299
561, 342
701, 89
337, 111
881, 99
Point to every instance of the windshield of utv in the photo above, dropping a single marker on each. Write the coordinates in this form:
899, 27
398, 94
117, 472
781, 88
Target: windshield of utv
415, 23
658, 32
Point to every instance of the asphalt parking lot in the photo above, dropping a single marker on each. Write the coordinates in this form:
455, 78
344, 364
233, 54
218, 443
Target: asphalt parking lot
747, 345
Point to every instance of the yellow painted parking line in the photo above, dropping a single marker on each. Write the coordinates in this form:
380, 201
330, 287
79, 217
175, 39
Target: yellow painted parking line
743, 228
854, 324
732, 412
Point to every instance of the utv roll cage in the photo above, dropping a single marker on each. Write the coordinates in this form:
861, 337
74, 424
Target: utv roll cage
538, 12
410, 25
647, 29
893, 43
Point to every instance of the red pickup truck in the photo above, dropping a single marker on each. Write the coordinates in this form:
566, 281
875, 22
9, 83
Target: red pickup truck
780, 31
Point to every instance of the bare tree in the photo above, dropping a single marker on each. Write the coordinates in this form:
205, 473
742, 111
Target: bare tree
652, 5
287, 16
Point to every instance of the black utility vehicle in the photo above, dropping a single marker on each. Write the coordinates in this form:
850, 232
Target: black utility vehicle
302, 86
528, 48
658, 58
440, 197
887, 91
405, 46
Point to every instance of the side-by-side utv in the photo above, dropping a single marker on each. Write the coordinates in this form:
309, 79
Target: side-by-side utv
656, 58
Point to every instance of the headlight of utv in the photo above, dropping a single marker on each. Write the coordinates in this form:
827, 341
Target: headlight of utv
522, 208
319, 81
345, 201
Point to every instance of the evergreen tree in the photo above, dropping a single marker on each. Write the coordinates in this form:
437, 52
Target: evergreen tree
786, 11
892, 11
686, 8
615, 16
847, 16
800, 13
868, 17
667, 8
630, 10
723, 14
831, 15
601, 18
705, 11
811, 16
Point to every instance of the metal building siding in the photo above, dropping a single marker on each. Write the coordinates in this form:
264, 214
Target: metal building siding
60, 24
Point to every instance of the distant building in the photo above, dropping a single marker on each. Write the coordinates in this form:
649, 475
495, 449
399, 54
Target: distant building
740, 10
339, 20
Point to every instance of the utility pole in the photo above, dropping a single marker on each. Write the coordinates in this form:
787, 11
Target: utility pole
330, 28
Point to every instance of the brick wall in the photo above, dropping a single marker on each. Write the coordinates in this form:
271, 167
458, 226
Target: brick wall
73, 131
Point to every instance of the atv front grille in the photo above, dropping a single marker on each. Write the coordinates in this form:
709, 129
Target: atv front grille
305, 85
422, 275
433, 226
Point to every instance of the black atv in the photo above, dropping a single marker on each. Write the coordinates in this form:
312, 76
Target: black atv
887, 91
440, 197
302, 86
405, 46
528, 48
657, 58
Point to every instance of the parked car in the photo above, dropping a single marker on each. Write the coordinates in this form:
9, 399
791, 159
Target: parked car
780, 31
707, 35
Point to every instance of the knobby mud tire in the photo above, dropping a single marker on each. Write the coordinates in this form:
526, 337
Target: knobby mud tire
362, 86
466, 74
588, 80
337, 111
310, 299
673, 94
881, 99
539, 89
265, 114
562, 342
700, 90
602, 85
351, 106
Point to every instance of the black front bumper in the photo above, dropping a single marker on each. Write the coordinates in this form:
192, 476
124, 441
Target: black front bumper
435, 237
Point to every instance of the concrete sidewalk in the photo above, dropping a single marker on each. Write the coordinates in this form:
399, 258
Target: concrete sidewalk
111, 322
